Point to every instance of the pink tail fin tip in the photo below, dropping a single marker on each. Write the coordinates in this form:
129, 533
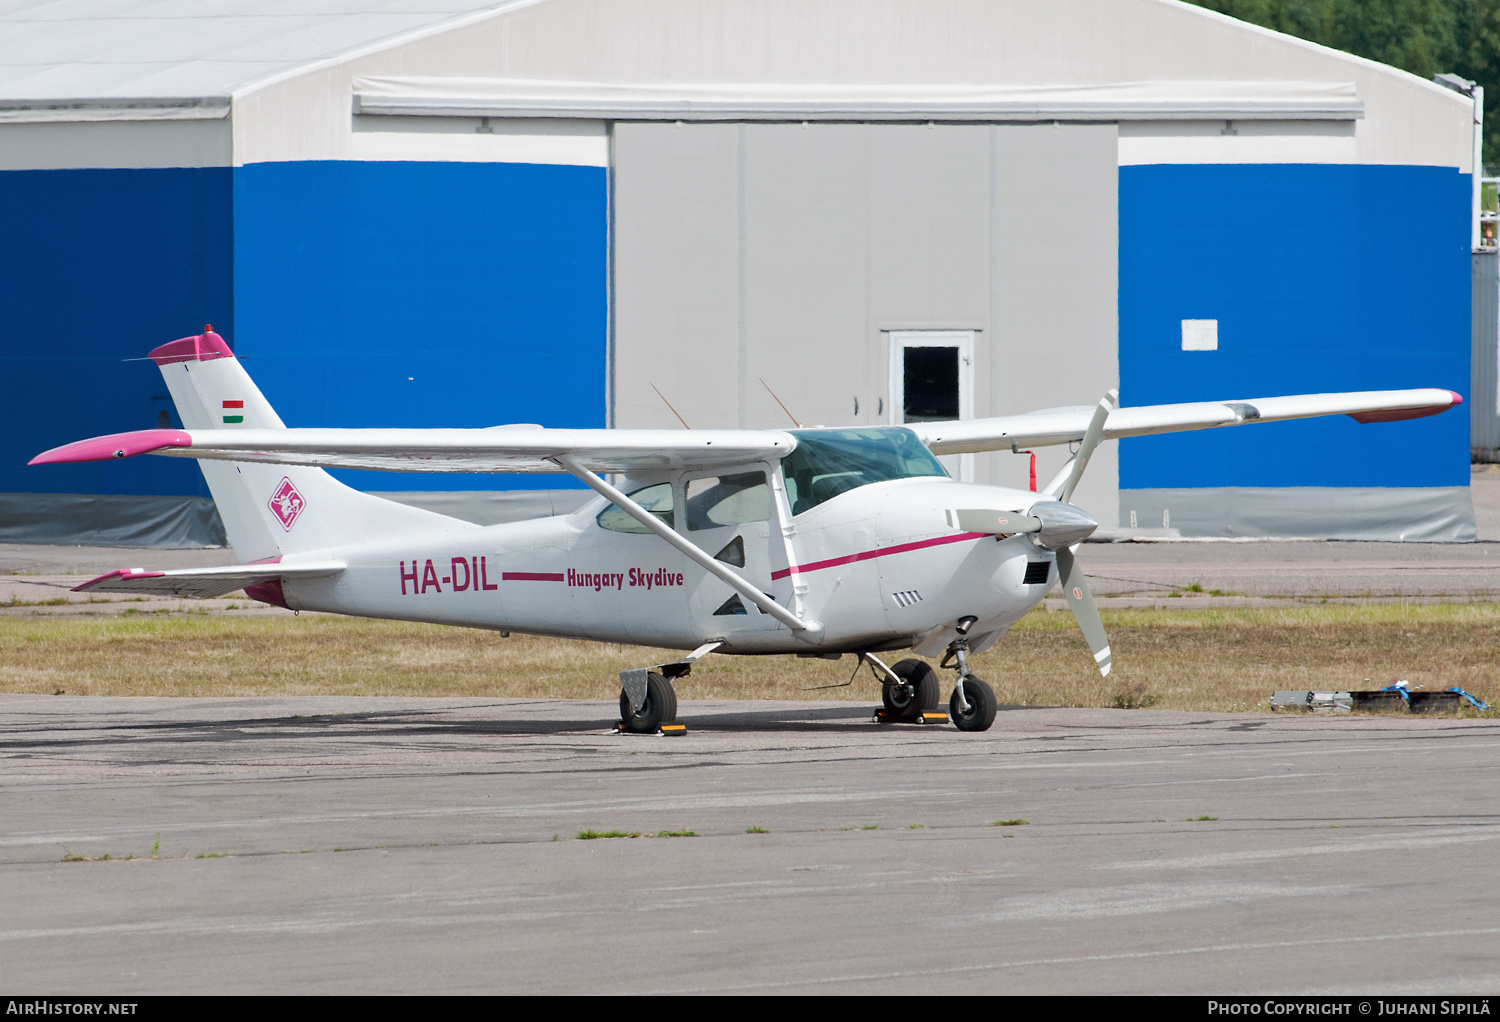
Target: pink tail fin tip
202, 347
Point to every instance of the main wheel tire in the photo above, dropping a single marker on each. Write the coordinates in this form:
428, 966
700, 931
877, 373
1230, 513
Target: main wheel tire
919, 694
659, 708
981, 700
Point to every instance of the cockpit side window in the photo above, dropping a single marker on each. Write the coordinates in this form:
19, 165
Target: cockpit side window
656, 498
717, 501
828, 462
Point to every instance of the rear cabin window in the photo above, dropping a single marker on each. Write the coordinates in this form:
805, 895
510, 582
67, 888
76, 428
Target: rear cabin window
717, 501
828, 462
656, 498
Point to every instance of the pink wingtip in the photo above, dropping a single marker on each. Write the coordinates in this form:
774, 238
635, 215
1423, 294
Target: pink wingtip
118, 573
203, 347
116, 445
1458, 398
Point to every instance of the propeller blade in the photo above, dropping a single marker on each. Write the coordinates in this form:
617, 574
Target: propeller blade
1081, 603
997, 523
1108, 403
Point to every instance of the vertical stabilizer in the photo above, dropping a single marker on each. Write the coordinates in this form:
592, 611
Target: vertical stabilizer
272, 510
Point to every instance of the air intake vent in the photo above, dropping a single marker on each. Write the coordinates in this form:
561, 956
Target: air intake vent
908, 598
1038, 573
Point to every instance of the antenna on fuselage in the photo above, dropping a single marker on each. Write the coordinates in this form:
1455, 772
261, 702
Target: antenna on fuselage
669, 406
778, 400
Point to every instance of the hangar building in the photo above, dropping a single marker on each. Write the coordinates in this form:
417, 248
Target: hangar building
434, 213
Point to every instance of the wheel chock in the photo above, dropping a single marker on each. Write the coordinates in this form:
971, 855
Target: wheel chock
884, 716
674, 728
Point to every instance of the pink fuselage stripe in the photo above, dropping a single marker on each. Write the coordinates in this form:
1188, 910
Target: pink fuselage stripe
902, 548
531, 576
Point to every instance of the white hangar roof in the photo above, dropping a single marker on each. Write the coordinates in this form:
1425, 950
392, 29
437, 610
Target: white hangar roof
301, 79
195, 49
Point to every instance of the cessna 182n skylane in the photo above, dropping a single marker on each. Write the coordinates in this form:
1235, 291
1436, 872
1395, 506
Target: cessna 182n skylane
818, 542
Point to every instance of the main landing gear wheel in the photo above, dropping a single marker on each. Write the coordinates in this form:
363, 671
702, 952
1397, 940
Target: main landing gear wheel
981, 712
917, 694
659, 708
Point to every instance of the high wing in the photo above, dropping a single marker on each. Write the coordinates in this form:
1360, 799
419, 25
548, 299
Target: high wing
498, 449
1067, 425
204, 583
536, 449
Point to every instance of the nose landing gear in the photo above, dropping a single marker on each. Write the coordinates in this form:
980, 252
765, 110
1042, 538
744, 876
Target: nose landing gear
972, 705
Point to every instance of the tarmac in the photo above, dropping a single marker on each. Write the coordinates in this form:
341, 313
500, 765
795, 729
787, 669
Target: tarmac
343, 845
335, 846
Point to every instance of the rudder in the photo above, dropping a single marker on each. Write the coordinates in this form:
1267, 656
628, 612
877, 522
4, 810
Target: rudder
272, 510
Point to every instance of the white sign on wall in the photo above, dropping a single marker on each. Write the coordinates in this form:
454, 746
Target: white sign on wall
1200, 335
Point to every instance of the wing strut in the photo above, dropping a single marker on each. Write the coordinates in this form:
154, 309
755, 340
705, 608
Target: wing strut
813, 629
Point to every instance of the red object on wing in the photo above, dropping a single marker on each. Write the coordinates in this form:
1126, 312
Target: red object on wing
1397, 414
116, 445
203, 347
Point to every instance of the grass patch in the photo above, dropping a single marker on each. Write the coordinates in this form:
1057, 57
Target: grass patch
1134, 697
916, 826
1200, 819
225, 855
1211, 659
1018, 822
756, 830
595, 835
676, 833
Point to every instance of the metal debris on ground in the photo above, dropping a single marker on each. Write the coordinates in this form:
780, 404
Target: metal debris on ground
1393, 697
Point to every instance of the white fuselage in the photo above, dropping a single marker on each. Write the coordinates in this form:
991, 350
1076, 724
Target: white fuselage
883, 566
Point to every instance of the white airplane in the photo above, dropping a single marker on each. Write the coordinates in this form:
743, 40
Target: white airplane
818, 542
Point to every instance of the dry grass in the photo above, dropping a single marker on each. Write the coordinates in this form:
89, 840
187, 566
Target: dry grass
1175, 659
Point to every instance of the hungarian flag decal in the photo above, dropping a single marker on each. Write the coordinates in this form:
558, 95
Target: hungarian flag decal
238, 415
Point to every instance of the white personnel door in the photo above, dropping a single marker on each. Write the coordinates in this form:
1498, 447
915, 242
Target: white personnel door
932, 380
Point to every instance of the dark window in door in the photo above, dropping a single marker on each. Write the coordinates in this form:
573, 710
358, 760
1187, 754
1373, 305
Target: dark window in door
930, 378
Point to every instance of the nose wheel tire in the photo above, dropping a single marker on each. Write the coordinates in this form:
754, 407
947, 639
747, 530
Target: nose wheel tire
659, 708
981, 712
919, 692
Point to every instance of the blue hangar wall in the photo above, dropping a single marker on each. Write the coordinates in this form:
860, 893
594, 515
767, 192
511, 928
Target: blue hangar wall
1322, 278
359, 294
468, 294
98, 267
424, 294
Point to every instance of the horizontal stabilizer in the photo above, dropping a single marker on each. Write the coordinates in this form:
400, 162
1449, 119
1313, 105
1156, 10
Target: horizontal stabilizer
203, 582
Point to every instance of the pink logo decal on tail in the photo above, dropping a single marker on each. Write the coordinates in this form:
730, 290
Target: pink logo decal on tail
286, 504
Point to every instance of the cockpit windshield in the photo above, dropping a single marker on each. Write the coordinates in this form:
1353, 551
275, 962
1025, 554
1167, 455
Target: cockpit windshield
828, 462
